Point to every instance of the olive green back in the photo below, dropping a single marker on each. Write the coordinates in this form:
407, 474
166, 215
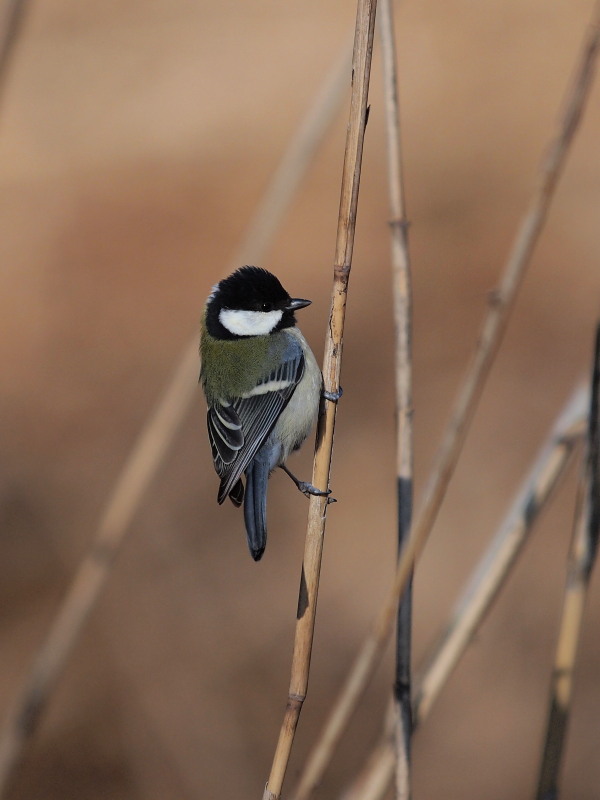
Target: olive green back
236, 366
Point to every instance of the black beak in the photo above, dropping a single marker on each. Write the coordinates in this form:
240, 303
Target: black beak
297, 303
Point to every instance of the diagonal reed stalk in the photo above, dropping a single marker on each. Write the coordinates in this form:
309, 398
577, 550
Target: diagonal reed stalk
487, 580
501, 304
581, 560
402, 296
309, 583
500, 557
145, 459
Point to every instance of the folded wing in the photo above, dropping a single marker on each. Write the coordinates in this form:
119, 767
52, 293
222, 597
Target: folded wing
239, 427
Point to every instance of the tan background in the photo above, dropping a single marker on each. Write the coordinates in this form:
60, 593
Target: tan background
136, 139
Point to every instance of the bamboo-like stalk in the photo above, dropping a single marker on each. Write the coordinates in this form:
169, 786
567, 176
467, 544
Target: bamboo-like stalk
146, 456
488, 577
501, 303
582, 556
309, 583
401, 286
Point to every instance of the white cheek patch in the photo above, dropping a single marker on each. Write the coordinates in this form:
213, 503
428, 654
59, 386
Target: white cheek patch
249, 323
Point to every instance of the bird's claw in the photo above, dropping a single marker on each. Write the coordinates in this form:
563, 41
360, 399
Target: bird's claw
308, 489
333, 396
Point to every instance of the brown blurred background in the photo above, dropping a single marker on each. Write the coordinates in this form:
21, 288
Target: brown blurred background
135, 141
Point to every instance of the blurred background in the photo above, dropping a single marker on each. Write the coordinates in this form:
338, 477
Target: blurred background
136, 139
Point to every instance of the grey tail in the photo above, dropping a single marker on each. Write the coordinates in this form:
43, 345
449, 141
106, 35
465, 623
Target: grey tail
255, 505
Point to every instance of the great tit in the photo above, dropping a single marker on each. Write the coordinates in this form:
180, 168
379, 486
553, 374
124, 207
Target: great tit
262, 386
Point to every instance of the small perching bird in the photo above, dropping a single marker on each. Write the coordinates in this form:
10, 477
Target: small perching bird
262, 385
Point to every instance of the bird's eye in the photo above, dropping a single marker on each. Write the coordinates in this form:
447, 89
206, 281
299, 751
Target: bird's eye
266, 307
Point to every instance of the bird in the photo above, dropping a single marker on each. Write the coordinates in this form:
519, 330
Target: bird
262, 386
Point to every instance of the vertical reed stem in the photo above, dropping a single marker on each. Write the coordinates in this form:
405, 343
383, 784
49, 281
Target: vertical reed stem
309, 584
401, 286
581, 561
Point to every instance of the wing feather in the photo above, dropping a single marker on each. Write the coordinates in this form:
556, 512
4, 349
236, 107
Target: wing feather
239, 427
225, 433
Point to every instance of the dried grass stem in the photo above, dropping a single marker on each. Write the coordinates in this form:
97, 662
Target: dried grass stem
309, 584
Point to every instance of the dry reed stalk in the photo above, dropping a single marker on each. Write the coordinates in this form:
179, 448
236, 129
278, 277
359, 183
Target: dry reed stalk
581, 560
309, 583
501, 555
501, 303
402, 297
489, 576
146, 456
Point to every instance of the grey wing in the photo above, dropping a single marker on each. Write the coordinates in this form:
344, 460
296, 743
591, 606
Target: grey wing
238, 428
225, 434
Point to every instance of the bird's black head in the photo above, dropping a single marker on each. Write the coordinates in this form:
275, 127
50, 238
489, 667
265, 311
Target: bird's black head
252, 289
250, 302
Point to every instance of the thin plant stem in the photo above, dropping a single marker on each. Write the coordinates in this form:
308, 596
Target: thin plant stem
309, 583
500, 306
491, 573
402, 295
143, 462
502, 554
581, 560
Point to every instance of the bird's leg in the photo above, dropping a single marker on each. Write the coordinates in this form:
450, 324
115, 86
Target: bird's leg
333, 396
305, 488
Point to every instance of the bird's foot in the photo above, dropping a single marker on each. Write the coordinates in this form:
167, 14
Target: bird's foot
308, 489
333, 396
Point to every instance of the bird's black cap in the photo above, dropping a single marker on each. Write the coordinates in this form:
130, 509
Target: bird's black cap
250, 289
